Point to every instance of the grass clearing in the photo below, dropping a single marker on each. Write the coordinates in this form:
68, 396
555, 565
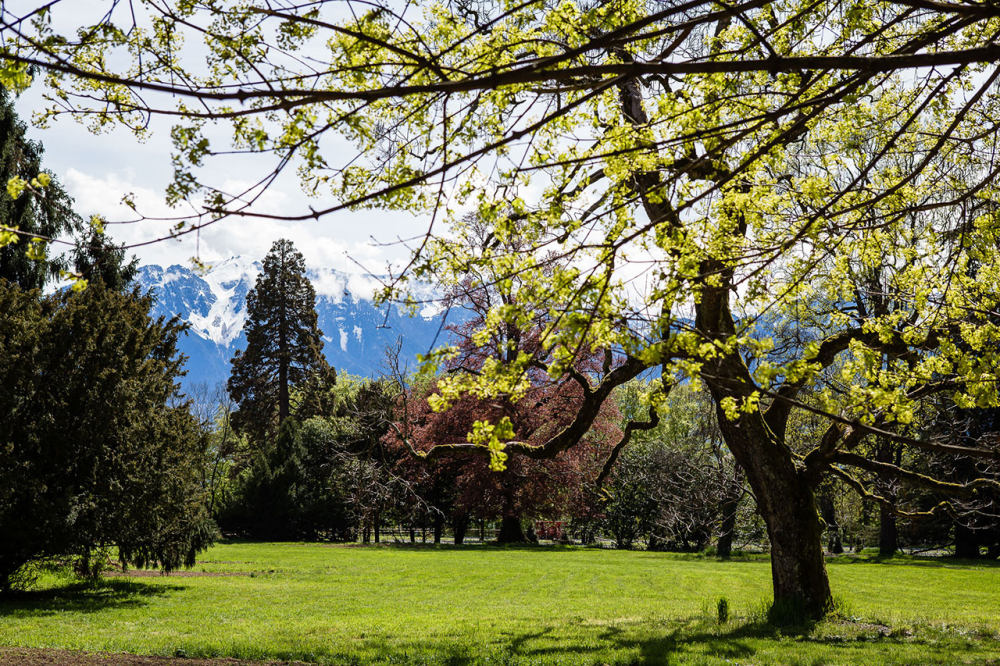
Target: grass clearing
402, 604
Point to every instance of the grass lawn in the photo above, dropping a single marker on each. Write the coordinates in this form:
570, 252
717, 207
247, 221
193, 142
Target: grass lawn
348, 604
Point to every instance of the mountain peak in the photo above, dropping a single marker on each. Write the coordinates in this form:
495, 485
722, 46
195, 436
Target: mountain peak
213, 303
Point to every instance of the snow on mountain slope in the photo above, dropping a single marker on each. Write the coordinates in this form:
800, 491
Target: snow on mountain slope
355, 332
228, 282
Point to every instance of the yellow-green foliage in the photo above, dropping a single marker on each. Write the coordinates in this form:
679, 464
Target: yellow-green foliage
801, 190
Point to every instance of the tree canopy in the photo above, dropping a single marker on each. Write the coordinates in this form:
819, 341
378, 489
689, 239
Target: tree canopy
29, 221
790, 202
284, 345
98, 448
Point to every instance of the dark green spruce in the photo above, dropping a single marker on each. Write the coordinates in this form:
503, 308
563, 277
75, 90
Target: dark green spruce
100, 454
99, 449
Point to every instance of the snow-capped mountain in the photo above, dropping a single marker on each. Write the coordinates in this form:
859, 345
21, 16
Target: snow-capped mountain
355, 332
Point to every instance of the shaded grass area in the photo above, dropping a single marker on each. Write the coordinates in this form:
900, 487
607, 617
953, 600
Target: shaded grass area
403, 604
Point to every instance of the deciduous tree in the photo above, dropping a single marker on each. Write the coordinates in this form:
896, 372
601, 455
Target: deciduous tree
468, 483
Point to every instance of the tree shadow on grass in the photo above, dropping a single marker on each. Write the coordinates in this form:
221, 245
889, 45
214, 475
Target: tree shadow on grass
738, 643
915, 560
664, 648
465, 547
83, 597
704, 640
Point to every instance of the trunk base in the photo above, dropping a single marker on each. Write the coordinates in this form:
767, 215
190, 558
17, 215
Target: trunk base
461, 525
511, 531
888, 535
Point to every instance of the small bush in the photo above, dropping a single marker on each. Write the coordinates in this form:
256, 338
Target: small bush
22, 579
722, 610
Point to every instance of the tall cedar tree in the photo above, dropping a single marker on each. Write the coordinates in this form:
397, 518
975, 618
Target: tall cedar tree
284, 345
48, 215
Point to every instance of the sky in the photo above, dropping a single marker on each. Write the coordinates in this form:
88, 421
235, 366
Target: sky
98, 170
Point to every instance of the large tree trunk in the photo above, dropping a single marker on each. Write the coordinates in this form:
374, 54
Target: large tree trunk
460, 524
784, 497
888, 534
511, 531
786, 502
798, 570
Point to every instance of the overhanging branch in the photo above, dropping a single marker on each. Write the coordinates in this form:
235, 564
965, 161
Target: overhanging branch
589, 409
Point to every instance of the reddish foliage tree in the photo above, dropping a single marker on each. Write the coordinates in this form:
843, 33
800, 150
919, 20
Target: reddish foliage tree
462, 483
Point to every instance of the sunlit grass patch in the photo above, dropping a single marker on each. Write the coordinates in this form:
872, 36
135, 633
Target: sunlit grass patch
408, 604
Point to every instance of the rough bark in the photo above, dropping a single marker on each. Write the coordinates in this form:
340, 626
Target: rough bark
798, 570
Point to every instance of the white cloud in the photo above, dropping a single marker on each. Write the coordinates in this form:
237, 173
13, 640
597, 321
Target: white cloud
341, 242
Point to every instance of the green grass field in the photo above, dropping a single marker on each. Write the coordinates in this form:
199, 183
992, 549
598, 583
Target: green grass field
344, 604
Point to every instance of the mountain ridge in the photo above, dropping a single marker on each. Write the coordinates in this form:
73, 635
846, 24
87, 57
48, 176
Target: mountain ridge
355, 331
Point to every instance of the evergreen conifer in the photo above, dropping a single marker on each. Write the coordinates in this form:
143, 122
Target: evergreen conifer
284, 344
